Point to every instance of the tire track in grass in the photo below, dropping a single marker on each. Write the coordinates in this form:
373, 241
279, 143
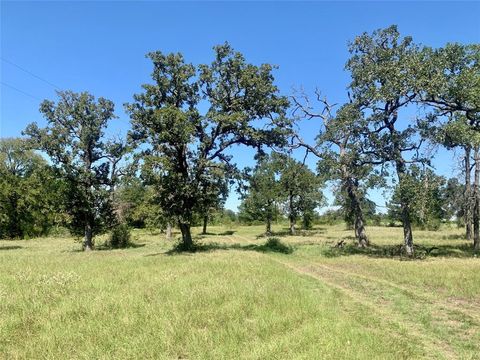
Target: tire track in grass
468, 312
244, 238
431, 345
436, 317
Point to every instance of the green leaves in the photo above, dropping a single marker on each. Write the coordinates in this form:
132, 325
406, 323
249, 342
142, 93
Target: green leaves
30, 192
184, 148
427, 198
261, 201
381, 66
74, 141
279, 182
458, 132
451, 80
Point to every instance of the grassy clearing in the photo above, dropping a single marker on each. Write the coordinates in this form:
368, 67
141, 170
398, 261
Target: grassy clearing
238, 299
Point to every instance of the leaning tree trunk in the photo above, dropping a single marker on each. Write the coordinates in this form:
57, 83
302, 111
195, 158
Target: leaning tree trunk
88, 242
359, 223
476, 196
401, 169
187, 241
205, 221
468, 196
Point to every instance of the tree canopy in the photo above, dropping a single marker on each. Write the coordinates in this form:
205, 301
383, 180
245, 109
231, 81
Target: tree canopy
74, 141
183, 144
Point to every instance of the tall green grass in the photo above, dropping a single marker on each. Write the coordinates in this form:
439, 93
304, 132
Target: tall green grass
238, 300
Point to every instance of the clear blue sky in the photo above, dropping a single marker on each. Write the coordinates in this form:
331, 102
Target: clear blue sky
100, 46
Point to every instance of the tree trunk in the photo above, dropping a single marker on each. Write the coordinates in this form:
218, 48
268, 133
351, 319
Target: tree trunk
89, 218
14, 229
187, 241
292, 225
407, 230
268, 230
359, 223
205, 221
168, 231
360, 231
405, 206
476, 195
87, 241
291, 216
468, 196
401, 169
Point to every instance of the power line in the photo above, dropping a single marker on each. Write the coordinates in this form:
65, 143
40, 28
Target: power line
20, 91
31, 74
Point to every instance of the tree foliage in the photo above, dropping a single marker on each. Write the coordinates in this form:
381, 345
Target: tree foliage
427, 198
280, 184
30, 193
74, 141
300, 190
188, 121
384, 68
450, 80
261, 201
183, 144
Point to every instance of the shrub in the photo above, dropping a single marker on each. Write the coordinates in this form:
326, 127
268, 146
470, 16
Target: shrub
181, 247
275, 244
433, 225
120, 237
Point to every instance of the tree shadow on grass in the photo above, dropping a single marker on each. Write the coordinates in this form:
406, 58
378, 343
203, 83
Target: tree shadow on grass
272, 245
106, 247
160, 233
225, 233
10, 247
463, 250
454, 237
299, 232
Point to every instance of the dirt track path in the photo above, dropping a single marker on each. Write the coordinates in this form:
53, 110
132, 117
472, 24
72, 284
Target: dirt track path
469, 310
381, 297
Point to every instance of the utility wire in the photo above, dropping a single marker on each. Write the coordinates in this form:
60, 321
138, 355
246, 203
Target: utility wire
20, 91
31, 74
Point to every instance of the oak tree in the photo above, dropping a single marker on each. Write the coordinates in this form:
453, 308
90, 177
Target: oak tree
383, 67
341, 156
74, 141
299, 190
182, 142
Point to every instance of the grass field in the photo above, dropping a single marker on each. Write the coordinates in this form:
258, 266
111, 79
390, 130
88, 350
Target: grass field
234, 299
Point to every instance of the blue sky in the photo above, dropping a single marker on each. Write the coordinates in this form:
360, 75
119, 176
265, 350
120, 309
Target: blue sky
100, 47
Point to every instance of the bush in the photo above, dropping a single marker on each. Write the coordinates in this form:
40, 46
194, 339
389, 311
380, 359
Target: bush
181, 247
275, 244
120, 237
432, 225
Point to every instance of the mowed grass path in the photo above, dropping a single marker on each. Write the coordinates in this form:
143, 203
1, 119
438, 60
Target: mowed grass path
232, 302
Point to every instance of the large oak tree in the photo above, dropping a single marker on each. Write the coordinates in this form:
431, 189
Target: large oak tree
384, 69
182, 143
74, 141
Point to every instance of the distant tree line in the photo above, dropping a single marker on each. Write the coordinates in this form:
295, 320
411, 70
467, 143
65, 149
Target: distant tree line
176, 168
280, 185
